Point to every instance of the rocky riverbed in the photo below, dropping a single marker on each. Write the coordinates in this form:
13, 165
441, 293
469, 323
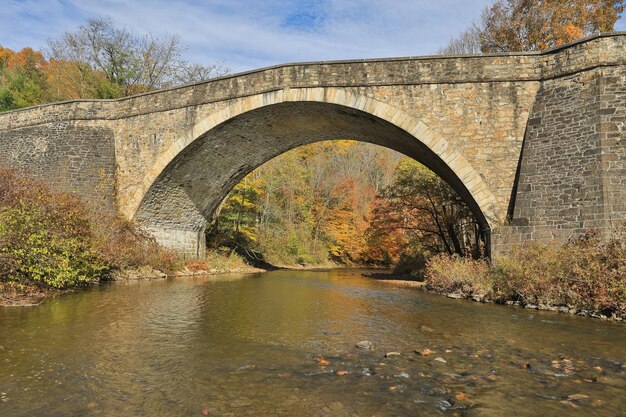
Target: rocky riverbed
306, 343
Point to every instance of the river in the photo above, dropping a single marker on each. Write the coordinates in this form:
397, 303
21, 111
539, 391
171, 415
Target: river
282, 343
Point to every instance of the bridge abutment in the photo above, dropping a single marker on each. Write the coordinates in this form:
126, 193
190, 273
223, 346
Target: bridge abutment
572, 172
189, 243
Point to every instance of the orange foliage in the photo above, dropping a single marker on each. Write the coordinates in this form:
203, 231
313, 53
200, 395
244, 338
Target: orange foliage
26, 59
516, 25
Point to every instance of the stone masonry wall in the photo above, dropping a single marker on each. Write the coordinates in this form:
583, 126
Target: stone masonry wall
73, 156
572, 175
612, 136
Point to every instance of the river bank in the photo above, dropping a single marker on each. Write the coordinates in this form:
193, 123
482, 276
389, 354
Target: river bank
584, 278
28, 294
405, 281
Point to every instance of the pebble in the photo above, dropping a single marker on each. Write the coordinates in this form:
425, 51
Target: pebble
365, 344
390, 354
571, 404
577, 397
443, 405
442, 360
460, 396
402, 375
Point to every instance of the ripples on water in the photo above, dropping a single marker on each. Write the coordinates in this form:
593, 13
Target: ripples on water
283, 344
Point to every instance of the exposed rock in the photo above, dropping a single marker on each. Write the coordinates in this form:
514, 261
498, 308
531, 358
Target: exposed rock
144, 272
365, 344
577, 397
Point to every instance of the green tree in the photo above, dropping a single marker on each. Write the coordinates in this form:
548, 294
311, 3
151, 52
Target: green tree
22, 78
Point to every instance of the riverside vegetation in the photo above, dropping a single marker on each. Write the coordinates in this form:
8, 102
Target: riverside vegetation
53, 241
586, 276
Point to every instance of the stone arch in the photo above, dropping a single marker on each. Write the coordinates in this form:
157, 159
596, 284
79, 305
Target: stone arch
163, 188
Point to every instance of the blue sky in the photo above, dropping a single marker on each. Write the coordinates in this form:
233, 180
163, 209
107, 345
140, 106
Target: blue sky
247, 34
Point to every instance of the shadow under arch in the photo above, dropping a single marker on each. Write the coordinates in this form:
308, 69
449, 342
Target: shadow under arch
188, 182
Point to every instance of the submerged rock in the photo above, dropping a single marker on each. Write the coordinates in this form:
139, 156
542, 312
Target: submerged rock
577, 397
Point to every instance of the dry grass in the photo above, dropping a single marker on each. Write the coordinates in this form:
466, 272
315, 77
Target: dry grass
586, 274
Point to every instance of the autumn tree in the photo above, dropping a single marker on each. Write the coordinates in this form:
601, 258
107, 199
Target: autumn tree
423, 211
309, 204
528, 25
22, 78
100, 61
70, 80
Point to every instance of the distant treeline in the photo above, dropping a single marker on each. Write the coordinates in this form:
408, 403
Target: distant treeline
98, 61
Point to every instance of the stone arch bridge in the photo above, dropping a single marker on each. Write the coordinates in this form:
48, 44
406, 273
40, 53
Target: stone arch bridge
534, 142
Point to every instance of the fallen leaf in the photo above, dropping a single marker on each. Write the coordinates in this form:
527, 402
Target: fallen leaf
460, 396
323, 362
341, 373
205, 412
424, 352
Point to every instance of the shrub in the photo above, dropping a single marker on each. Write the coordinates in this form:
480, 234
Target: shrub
223, 260
453, 274
55, 240
533, 273
585, 274
45, 237
122, 244
597, 274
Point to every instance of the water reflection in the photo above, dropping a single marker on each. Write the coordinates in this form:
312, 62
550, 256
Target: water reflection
253, 345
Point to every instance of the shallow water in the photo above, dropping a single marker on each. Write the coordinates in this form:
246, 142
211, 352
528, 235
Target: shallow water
251, 345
